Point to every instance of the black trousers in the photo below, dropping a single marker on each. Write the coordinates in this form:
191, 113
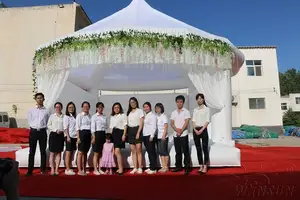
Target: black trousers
34, 137
198, 139
182, 146
151, 150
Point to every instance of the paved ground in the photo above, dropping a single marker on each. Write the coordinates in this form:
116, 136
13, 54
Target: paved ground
282, 141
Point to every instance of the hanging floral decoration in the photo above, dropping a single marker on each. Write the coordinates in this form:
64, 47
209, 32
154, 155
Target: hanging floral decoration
155, 41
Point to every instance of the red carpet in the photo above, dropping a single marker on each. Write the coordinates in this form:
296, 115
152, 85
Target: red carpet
266, 173
14, 135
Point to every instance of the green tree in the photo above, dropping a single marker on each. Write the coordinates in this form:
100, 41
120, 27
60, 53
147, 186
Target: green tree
289, 82
291, 118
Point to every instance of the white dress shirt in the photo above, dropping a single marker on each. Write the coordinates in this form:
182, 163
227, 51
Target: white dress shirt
38, 117
83, 121
118, 121
134, 117
150, 122
162, 120
179, 120
56, 122
99, 123
201, 116
70, 125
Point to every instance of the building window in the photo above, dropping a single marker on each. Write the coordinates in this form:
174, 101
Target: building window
257, 103
284, 106
5, 118
253, 67
297, 99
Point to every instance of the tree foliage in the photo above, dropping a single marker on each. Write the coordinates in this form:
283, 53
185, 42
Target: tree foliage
289, 82
291, 118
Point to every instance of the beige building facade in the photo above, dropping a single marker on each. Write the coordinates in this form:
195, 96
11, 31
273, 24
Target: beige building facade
22, 30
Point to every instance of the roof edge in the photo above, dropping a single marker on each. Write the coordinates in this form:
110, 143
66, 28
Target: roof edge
257, 47
83, 11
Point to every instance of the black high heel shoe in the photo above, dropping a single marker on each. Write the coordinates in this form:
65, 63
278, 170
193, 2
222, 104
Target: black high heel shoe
120, 174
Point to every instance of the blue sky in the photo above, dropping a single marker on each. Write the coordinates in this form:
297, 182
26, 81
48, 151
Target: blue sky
243, 22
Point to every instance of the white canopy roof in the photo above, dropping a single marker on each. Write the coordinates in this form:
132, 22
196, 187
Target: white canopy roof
140, 16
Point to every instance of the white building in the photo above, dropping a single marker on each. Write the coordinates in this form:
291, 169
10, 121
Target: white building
23, 29
256, 89
291, 101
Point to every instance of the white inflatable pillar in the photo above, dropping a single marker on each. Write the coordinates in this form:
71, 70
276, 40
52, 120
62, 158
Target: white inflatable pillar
221, 122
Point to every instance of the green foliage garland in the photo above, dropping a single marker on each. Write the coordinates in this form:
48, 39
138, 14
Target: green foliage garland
128, 38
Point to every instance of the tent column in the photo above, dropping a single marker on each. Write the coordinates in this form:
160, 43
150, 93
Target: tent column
221, 122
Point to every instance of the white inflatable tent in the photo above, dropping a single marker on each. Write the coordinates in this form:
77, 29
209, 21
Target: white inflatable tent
141, 49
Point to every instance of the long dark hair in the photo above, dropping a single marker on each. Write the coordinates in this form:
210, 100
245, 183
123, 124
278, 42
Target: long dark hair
112, 109
129, 106
67, 111
202, 96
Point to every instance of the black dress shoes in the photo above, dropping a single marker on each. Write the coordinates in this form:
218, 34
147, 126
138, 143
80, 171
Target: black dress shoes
176, 170
43, 173
187, 172
29, 174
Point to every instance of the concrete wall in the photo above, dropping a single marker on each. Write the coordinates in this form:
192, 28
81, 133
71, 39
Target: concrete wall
23, 29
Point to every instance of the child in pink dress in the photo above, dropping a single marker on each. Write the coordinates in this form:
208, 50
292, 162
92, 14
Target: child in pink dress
107, 160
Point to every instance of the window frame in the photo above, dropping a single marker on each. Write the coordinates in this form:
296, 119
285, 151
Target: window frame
254, 66
284, 105
5, 118
257, 107
297, 100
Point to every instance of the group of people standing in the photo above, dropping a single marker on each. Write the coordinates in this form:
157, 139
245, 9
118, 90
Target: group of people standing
136, 127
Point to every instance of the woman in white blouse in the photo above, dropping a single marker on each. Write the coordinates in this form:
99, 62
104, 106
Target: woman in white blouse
98, 130
70, 136
149, 137
162, 137
201, 118
135, 122
83, 128
118, 128
56, 138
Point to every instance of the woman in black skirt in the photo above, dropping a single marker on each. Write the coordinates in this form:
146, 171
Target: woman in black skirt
70, 136
201, 118
135, 122
83, 128
118, 128
98, 130
56, 138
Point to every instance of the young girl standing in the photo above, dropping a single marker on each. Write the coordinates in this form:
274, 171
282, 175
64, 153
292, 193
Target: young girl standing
107, 160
